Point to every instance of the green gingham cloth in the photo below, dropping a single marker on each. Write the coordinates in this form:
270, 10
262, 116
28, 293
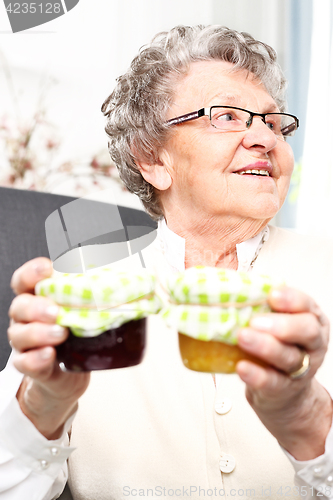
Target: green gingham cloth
209, 303
93, 303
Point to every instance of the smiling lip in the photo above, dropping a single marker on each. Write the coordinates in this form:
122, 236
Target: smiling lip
259, 165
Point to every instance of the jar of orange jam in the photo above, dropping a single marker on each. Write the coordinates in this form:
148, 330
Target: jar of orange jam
207, 306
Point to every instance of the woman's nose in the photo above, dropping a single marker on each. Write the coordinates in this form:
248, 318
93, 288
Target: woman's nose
259, 136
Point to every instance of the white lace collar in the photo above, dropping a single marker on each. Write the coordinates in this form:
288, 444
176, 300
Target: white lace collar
173, 247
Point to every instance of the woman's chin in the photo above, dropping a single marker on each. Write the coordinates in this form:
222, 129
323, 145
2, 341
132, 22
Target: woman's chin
265, 206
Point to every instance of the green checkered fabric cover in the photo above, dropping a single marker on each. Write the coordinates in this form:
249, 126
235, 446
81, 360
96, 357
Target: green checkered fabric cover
92, 303
210, 303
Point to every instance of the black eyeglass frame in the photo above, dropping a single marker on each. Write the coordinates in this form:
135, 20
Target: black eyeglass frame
208, 112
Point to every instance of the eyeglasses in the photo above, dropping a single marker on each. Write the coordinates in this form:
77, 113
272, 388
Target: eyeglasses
230, 119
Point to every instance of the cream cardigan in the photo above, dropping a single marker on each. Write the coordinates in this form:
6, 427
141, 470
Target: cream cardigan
142, 429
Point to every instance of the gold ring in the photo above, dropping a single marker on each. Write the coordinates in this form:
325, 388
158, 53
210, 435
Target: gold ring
303, 370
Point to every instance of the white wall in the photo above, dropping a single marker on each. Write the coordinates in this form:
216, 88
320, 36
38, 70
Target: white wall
265, 20
315, 206
84, 51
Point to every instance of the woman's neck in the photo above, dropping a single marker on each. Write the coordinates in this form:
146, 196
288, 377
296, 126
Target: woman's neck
210, 243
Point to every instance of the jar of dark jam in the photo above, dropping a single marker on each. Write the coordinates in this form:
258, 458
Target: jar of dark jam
115, 348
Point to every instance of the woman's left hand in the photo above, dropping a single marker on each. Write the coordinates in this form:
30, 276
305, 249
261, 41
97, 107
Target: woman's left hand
298, 412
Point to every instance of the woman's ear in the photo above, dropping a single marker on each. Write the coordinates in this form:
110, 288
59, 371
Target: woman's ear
157, 174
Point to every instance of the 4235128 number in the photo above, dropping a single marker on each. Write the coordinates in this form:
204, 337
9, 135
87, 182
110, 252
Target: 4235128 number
33, 8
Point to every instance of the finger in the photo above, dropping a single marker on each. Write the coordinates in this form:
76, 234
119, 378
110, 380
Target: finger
26, 308
287, 358
266, 380
302, 329
25, 277
37, 364
35, 335
290, 300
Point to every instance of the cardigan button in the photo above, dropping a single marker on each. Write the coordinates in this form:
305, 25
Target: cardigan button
54, 451
222, 407
329, 480
227, 463
43, 464
317, 471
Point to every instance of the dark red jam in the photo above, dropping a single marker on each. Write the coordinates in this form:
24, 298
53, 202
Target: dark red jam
116, 348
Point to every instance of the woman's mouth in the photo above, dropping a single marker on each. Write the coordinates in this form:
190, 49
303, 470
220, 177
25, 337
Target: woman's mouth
258, 168
254, 172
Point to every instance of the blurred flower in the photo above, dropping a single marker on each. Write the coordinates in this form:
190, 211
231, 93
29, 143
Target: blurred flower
28, 159
51, 144
29, 152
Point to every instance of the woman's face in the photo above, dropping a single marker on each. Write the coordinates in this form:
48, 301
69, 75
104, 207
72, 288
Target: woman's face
203, 162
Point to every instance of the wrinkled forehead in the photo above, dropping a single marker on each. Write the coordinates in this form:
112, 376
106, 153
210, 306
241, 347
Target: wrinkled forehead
209, 83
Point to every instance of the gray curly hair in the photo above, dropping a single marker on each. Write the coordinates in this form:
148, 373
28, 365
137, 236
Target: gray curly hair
137, 108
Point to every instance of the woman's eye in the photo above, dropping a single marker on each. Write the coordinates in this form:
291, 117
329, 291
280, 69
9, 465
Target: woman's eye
226, 117
272, 126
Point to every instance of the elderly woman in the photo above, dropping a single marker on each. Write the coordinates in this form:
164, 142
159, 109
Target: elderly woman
198, 128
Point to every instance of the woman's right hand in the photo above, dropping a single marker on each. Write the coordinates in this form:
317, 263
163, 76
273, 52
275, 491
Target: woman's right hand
47, 396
